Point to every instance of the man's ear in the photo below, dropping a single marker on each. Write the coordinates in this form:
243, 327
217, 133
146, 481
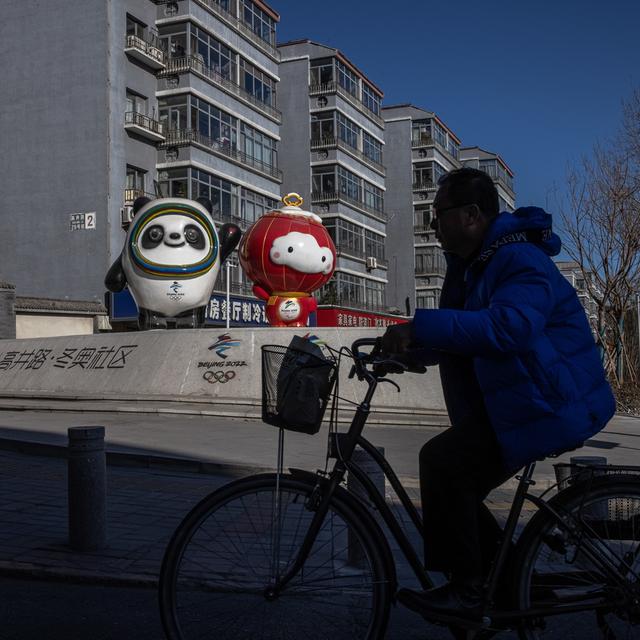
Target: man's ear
472, 215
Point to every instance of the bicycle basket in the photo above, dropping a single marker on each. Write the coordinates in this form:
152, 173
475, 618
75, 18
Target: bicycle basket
297, 381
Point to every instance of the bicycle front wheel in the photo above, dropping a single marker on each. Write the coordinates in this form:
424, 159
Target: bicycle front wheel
229, 550
557, 568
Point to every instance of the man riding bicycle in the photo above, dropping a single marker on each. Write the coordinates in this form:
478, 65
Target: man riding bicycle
521, 375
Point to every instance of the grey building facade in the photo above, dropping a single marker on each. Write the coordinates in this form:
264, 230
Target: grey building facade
331, 154
129, 98
420, 148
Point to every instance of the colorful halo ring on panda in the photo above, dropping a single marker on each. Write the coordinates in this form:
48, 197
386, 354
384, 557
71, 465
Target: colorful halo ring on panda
170, 271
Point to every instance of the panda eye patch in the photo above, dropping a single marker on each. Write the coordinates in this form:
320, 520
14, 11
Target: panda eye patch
290, 249
152, 237
194, 236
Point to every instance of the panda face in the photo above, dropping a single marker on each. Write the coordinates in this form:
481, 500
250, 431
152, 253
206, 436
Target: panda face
173, 240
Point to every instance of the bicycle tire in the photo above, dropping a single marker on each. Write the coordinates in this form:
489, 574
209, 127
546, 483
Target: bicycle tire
551, 569
342, 590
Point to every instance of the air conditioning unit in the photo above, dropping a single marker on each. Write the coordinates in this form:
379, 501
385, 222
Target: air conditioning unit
372, 263
126, 216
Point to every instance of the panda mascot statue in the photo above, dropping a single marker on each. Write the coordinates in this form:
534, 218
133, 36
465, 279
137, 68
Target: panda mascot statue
170, 260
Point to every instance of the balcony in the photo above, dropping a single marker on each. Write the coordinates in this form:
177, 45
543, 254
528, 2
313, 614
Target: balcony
186, 137
235, 288
359, 254
332, 197
338, 143
422, 228
424, 186
334, 87
431, 271
144, 126
186, 64
333, 299
145, 50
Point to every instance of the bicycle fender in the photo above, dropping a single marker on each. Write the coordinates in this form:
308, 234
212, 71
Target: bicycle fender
364, 515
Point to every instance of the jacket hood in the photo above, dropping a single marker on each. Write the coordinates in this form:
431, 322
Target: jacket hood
526, 224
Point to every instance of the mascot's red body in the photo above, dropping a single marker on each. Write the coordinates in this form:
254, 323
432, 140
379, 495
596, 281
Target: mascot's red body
288, 254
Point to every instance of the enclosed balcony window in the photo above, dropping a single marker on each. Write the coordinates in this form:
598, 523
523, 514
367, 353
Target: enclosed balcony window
173, 112
349, 184
322, 71
212, 53
348, 131
254, 205
222, 193
135, 27
258, 146
262, 24
322, 125
257, 83
323, 179
421, 133
136, 103
175, 44
347, 79
372, 148
374, 244
370, 99
372, 196
135, 179
213, 123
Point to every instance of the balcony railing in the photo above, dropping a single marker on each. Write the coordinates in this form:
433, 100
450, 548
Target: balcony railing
339, 143
359, 254
130, 195
144, 126
422, 228
186, 137
431, 271
146, 50
237, 288
185, 64
330, 197
424, 186
335, 300
335, 87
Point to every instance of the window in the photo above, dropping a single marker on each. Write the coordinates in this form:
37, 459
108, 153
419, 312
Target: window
223, 194
136, 103
135, 27
370, 99
346, 235
453, 147
423, 174
439, 134
350, 289
374, 294
347, 131
421, 133
174, 183
212, 53
430, 260
258, 146
349, 184
213, 123
175, 44
427, 299
254, 205
262, 24
373, 197
373, 244
422, 217
135, 178
173, 112
323, 180
322, 71
371, 147
257, 83
322, 125
347, 79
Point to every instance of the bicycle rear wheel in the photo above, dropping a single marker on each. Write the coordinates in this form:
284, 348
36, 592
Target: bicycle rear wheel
552, 567
228, 550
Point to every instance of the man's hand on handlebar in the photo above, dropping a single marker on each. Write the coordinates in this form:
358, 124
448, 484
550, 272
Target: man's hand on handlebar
398, 338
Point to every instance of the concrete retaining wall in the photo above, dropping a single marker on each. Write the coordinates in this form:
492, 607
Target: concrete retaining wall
184, 366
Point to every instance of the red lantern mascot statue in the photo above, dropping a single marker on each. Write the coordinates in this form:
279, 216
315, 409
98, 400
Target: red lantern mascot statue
288, 254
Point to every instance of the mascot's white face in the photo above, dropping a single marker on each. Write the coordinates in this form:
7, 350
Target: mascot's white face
171, 259
172, 239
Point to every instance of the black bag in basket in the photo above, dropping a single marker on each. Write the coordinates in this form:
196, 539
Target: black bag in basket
305, 381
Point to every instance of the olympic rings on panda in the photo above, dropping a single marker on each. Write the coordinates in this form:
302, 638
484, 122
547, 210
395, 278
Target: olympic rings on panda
219, 376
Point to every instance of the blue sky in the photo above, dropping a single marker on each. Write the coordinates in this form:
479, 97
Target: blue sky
537, 82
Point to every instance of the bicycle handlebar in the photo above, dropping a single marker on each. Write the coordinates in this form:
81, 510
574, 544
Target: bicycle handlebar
382, 363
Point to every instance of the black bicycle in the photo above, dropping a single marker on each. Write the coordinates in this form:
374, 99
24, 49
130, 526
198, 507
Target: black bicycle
297, 556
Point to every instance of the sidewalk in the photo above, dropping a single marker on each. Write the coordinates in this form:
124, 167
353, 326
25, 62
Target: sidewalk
148, 497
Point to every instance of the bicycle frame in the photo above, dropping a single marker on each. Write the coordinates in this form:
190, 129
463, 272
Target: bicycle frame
341, 447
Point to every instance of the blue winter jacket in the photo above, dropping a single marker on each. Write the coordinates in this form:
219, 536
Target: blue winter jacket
535, 358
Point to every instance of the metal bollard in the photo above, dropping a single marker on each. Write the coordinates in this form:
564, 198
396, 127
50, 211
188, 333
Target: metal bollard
375, 473
87, 488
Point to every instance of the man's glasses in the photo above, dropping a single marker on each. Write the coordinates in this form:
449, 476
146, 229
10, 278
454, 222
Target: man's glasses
438, 212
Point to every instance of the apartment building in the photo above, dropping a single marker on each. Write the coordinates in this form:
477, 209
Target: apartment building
497, 168
420, 148
130, 98
578, 280
332, 155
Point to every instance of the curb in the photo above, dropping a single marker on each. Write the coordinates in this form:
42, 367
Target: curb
126, 459
27, 570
